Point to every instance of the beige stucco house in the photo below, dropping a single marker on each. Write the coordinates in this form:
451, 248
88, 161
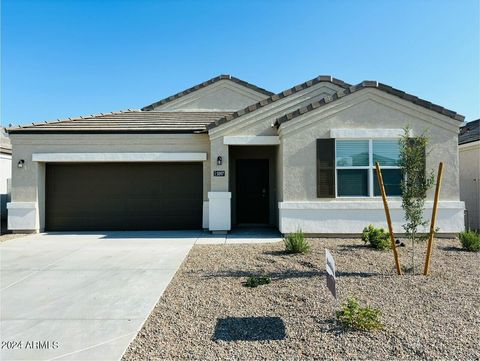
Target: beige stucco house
469, 154
226, 153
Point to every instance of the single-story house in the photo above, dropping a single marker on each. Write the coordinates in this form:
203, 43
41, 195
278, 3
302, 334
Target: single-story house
469, 154
226, 152
5, 174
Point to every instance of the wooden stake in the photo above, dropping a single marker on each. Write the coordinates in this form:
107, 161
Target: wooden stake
434, 218
389, 220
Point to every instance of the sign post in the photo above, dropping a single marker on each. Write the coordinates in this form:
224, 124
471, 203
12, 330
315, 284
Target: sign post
331, 279
330, 267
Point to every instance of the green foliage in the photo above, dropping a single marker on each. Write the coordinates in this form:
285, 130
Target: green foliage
470, 240
255, 281
415, 184
356, 317
377, 237
296, 243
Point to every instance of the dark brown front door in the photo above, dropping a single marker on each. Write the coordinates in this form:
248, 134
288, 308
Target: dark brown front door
123, 196
252, 191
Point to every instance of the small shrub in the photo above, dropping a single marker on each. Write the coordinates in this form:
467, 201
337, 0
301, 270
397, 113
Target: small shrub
470, 240
353, 316
296, 243
377, 237
255, 281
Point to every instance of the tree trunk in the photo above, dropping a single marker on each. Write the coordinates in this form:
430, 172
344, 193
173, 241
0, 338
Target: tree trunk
413, 253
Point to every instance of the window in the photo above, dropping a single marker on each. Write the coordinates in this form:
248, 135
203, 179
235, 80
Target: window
355, 167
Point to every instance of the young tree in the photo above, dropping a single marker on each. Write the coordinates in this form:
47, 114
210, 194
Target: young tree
415, 184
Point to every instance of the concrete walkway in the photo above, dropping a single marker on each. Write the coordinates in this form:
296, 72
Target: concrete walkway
85, 296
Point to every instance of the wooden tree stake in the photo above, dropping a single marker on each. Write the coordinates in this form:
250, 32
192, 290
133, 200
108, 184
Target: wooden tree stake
434, 218
389, 220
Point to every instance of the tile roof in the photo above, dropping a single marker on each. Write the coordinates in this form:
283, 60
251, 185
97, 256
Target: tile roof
203, 85
130, 121
469, 132
281, 95
369, 84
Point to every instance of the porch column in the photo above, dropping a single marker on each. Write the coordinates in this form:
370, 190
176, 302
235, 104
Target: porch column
219, 198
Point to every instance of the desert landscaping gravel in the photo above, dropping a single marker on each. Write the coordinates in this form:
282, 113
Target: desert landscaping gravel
9, 236
206, 313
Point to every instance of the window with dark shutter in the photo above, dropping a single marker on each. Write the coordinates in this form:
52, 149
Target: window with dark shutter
326, 168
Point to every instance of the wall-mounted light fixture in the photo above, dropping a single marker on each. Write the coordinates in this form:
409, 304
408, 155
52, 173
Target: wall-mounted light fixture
219, 160
20, 163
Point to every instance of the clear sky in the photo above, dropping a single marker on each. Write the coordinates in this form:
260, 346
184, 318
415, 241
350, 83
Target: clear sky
64, 58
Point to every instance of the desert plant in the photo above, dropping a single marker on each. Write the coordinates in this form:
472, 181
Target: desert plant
470, 240
356, 317
377, 237
415, 184
255, 281
296, 243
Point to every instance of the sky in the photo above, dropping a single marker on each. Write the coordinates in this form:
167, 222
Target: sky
62, 58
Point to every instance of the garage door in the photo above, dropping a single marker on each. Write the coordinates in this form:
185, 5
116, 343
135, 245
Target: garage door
123, 196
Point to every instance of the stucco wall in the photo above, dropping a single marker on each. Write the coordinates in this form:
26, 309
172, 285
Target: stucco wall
28, 183
366, 111
469, 155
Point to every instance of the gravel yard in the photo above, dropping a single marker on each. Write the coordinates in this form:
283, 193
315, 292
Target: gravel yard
8, 236
206, 313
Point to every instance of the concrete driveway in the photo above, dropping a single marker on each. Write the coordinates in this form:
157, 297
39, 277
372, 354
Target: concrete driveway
83, 296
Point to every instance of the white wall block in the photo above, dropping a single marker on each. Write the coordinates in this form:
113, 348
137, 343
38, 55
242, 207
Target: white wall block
351, 217
120, 157
251, 140
22, 216
367, 133
219, 218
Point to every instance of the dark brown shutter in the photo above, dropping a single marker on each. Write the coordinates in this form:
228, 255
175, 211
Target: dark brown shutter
326, 168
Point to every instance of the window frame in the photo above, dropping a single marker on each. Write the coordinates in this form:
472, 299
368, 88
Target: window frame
370, 168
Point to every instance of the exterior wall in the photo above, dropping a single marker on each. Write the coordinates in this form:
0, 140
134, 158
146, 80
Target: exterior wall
224, 95
28, 183
469, 155
367, 109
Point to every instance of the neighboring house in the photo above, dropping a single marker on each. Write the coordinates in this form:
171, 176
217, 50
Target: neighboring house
469, 154
226, 152
5, 174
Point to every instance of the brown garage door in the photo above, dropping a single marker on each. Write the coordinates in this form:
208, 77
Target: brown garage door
123, 196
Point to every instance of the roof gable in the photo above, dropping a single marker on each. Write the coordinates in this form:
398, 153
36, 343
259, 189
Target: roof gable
369, 84
222, 93
276, 97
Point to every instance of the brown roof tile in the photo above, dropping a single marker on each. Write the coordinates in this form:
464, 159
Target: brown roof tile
132, 121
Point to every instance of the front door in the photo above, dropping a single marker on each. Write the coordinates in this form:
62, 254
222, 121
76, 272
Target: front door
252, 191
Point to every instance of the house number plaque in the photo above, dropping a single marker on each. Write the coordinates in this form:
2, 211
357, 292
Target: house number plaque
219, 173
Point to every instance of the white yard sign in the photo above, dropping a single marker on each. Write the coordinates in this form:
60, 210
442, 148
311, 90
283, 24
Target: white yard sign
330, 267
